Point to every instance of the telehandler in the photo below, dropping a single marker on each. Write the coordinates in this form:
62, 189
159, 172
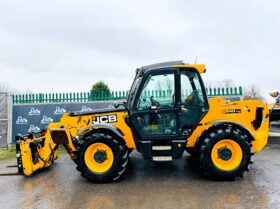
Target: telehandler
167, 112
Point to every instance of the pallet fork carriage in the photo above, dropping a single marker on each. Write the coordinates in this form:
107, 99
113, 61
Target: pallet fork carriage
166, 113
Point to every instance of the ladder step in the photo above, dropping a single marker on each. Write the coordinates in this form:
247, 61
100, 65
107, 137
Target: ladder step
162, 158
161, 148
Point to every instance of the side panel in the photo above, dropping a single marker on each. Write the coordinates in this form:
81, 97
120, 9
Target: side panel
75, 124
122, 126
242, 112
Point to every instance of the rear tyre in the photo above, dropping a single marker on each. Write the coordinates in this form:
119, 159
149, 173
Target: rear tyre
101, 158
225, 153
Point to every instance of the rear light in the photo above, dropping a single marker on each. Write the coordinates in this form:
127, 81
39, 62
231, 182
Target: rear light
43, 133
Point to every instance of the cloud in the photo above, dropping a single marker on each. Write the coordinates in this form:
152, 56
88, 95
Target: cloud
69, 45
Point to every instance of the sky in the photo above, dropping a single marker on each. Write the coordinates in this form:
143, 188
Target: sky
68, 45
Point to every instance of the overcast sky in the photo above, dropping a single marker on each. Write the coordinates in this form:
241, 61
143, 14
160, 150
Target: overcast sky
59, 46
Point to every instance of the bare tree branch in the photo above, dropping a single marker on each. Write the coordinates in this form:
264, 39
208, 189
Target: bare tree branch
253, 92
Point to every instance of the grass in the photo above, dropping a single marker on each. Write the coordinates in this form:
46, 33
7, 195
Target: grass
7, 153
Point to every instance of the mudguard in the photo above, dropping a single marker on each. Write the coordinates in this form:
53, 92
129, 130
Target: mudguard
228, 122
101, 126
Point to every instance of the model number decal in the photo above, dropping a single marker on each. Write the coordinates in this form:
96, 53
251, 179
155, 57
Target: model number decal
231, 111
105, 119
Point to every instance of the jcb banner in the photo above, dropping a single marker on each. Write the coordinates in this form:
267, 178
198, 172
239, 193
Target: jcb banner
35, 117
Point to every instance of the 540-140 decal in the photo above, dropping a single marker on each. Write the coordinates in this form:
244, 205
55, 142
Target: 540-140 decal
105, 119
231, 111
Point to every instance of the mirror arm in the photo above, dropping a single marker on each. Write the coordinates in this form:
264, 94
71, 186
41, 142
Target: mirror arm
124, 104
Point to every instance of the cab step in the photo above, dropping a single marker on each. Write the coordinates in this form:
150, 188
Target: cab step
159, 148
164, 150
162, 158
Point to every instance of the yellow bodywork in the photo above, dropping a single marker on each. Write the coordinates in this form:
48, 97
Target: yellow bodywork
217, 112
73, 126
199, 67
45, 153
241, 113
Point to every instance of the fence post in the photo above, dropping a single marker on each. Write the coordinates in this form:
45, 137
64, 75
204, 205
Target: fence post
123, 97
10, 119
240, 91
235, 91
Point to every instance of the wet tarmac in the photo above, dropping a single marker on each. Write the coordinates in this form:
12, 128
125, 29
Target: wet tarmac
146, 184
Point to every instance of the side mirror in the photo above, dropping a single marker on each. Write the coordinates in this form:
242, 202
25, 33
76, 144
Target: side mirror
274, 94
117, 105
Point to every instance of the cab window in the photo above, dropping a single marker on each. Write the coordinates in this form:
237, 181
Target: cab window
158, 92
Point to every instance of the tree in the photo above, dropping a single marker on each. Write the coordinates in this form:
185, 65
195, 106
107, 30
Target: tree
252, 92
7, 89
225, 83
98, 87
3, 88
170, 84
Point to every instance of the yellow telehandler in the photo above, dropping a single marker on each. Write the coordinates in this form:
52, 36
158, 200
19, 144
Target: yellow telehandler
167, 112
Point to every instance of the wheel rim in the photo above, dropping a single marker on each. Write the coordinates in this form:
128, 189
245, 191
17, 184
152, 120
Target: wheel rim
99, 158
227, 155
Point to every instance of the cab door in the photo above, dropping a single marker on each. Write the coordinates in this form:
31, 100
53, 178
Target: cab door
193, 100
156, 108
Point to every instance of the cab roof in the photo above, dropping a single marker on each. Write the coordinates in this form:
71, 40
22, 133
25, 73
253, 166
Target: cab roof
173, 64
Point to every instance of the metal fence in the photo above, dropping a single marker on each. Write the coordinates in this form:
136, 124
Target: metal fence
3, 119
33, 112
108, 96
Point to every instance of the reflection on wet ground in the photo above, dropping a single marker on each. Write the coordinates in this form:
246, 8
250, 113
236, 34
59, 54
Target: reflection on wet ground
146, 184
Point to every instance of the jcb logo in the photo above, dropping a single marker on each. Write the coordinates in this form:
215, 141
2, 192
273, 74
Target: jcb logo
105, 119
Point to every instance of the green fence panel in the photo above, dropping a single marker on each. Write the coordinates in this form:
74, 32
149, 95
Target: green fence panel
113, 95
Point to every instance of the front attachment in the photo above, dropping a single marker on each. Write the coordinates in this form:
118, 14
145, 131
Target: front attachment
34, 152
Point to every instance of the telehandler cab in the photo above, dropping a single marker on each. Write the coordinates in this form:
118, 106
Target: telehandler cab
167, 112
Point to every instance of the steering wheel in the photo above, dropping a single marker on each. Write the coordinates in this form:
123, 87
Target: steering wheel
154, 102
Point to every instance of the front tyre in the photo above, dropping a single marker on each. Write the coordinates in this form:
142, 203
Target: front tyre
102, 158
192, 151
225, 153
